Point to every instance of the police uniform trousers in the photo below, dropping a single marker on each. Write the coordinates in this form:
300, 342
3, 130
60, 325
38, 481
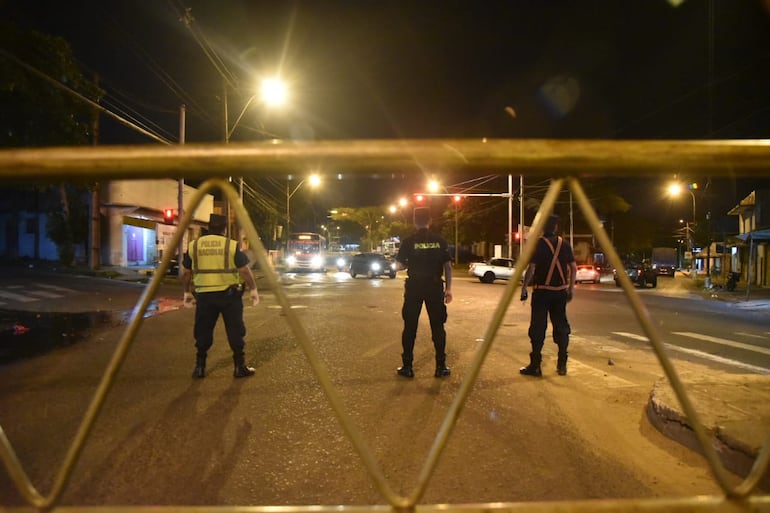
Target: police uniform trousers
416, 292
209, 306
547, 303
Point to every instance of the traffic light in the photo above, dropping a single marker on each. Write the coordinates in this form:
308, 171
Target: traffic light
457, 198
419, 198
516, 236
168, 215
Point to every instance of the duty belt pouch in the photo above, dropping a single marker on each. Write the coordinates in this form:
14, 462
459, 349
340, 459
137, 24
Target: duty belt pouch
235, 290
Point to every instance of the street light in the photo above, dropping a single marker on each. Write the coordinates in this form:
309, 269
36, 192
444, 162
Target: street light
273, 93
314, 180
456, 200
674, 190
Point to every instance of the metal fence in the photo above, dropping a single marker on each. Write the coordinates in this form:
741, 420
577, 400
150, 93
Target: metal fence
564, 161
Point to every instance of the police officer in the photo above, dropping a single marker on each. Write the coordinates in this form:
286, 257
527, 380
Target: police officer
552, 272
425, 255
217, 269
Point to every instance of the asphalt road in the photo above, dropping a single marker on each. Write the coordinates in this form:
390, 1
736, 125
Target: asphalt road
163, 438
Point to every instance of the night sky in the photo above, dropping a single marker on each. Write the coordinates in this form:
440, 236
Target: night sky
636, 69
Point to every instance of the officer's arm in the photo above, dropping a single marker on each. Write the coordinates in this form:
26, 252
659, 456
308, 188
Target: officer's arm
248, 278
572, 274
186, 279
448, 279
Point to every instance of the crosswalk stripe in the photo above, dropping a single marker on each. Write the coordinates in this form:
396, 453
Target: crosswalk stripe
53, 287
43, 293
723, 341
704, 355
17, 297
720, 359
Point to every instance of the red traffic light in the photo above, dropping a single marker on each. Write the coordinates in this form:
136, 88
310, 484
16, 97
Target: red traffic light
457, 198
419, 198
168, 215
516, 235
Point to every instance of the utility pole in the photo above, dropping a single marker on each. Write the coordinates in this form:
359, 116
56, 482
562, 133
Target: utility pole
510, 216
94, 260
180, 189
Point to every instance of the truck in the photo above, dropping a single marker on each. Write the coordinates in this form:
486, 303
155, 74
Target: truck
664, 261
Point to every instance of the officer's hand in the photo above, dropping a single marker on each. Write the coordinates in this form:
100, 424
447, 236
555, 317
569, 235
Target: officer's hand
254, 297
188, 301
448, 296
569, 295
524, 294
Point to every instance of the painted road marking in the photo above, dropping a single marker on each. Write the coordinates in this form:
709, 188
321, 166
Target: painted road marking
54, 287
45, 294
723, 341
702, 354
17, 297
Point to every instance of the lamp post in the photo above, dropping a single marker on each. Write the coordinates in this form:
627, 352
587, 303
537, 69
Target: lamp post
273, 93
314, 180
456, 200
674, 190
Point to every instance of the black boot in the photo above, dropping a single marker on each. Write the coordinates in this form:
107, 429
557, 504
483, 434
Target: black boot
406, 368
442, 370
561, 363
533, 369
241, 370
200, 367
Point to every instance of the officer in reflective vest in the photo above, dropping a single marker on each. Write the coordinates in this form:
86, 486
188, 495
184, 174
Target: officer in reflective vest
552, 272
425, 255
217, 269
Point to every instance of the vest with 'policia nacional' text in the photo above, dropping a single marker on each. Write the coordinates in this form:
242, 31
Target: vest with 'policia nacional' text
213, 263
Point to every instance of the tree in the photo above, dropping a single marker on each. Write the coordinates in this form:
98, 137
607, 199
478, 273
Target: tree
374, 220
38, 76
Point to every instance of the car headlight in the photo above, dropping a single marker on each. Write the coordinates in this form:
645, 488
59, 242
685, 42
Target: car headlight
393, 266
376, 266
316, 261
340, 262
291, 260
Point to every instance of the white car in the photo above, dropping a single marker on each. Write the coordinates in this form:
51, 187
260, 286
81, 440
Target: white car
587, 272
494, 269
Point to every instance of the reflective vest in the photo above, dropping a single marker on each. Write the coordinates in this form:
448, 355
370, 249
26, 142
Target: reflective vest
555, 266
213, 263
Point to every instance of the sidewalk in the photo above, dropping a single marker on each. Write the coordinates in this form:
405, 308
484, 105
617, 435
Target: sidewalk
734, 408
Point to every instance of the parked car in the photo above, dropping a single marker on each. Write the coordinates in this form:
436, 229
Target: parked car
640, 273
587, 272
494, 269
372, 265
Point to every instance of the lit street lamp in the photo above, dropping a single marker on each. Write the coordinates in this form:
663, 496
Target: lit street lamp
674, 190
273, 93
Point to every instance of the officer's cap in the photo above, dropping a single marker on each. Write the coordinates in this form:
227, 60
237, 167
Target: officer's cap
217, 221
422, 216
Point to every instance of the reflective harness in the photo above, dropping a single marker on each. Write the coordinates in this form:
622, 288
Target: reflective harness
555, 264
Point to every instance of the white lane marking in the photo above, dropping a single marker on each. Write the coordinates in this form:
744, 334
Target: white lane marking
17, 297
631, 335
581, 369
43, 293
723, 341
700, 354
749, 335
719, 359
53, 287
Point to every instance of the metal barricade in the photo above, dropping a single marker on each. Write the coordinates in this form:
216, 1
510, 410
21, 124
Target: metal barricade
564, 161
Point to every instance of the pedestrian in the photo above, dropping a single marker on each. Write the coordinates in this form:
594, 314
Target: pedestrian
425, 255
217, 269
552, 272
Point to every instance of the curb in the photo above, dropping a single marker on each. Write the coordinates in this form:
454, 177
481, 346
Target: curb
735, 411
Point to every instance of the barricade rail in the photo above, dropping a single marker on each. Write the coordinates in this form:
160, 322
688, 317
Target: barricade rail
564, 161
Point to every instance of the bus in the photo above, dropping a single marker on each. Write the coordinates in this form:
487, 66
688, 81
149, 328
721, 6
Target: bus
306, 251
